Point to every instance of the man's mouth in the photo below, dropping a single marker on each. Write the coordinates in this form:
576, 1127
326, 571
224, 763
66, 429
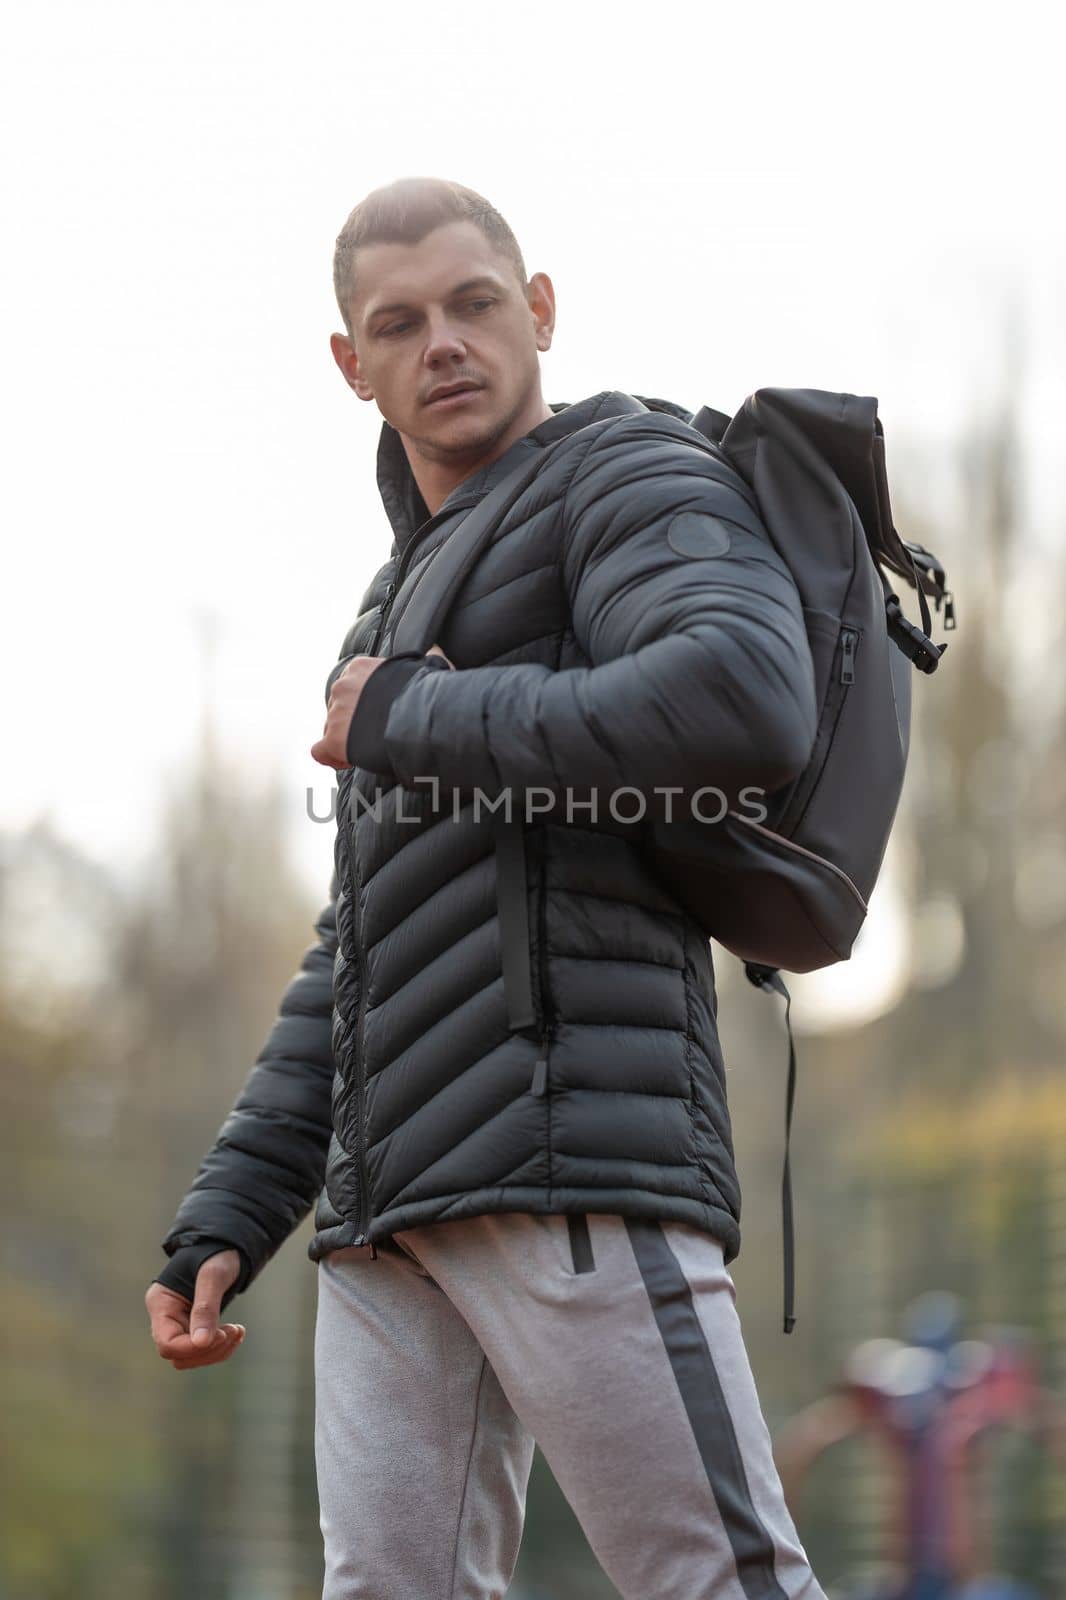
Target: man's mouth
454, 395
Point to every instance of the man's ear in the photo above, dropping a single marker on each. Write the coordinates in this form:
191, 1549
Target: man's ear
345, 356
541, 299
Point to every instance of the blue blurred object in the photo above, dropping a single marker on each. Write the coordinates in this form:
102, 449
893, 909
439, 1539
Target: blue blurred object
996, 1587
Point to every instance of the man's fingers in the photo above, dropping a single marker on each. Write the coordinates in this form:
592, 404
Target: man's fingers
215, 1276
181, 1343
188, 1333
166, 1327
181, 1348
321, 752
203, 1322
182, 1353
226, 1336
168, 1315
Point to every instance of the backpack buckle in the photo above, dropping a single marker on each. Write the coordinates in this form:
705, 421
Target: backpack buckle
915, 644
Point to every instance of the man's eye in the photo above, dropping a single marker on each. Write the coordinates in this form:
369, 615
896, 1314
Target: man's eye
398, 327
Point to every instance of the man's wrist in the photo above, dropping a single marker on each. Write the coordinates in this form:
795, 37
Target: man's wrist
181, 1270
366, 731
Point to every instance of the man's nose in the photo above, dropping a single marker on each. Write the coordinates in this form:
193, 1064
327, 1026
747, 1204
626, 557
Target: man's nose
443, 340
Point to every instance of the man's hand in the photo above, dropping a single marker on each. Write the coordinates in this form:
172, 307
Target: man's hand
332, 749
190, 1335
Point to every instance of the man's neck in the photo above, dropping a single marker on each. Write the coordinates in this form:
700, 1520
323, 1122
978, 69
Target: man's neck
437, 479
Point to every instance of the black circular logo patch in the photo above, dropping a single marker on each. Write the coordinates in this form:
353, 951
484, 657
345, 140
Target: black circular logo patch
698, 533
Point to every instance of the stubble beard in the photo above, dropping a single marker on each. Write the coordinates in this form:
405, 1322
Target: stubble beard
473, 447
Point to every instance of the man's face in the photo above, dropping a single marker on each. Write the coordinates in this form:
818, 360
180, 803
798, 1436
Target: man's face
446, 311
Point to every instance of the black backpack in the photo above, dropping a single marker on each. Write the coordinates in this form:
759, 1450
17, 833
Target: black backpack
792, 890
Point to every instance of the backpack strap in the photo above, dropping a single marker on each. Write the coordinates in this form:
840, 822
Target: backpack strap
428, 605
769, 979
712, 424
419, 623
418, 627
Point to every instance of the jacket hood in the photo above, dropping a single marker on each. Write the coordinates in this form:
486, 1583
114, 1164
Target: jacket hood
400, 494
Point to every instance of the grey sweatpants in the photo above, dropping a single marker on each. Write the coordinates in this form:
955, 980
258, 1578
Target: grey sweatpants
614, 1343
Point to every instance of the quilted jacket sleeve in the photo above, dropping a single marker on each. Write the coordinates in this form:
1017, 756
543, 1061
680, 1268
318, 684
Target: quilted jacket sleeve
701, 671
267, 1164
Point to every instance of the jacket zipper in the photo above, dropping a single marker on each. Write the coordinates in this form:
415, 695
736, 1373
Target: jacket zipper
386, 604
401, 572
353, 852
364, 1181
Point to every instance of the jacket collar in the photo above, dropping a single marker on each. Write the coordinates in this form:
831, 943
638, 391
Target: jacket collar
404, 505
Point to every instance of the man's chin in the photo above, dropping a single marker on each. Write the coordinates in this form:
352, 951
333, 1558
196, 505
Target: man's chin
461, 436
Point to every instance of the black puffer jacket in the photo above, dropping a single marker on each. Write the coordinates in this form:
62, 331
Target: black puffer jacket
566, 1059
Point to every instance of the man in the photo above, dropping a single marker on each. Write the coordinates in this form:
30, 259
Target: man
498, 1070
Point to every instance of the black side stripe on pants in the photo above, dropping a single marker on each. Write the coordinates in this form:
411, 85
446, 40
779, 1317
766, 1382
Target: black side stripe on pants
580, 1242
701, 1392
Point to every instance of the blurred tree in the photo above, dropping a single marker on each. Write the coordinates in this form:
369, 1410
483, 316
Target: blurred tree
122, 1046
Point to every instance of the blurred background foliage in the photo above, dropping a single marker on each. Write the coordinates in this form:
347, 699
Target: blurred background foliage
928, 1146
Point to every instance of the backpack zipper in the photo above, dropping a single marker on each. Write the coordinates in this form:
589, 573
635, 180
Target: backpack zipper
848, 637
833, 705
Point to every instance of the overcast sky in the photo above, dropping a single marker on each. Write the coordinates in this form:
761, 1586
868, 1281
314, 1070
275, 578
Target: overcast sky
725, 197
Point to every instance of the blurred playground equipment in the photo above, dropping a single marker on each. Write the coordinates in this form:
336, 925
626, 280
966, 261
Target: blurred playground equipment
931, 1398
